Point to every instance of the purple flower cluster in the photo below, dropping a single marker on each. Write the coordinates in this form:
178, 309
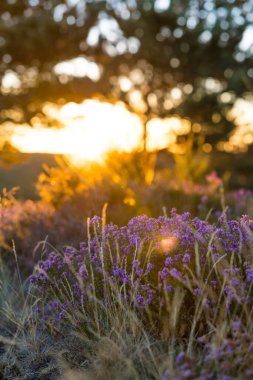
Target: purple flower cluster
220, 360
147, 260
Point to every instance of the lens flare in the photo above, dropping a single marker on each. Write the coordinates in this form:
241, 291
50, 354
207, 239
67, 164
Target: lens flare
167, 244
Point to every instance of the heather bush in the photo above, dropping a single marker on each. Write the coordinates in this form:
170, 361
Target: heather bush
159, 298
24, 224
68, 198
150, 264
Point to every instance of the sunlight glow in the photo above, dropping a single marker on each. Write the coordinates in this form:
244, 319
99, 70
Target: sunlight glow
160, 133
90, 130
168, 244
241, 114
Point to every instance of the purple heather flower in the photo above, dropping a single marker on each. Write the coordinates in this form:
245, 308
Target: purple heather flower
139, 271
135, 264
204, 199
249, 273
180, 357
164, 273
140, 299
196, 292
150, 266
236, 325
175, 273
166, 375
168, 261
234, 282
186, 258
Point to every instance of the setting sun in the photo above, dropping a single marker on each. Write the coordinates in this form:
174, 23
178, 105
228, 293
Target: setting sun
93, 128
89, 131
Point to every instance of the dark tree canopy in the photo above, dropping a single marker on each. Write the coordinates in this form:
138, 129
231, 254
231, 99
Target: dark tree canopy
162, 58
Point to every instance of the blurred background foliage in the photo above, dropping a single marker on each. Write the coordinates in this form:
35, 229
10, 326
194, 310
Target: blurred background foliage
186, 57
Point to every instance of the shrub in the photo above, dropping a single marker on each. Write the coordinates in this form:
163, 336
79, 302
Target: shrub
170, 271
23, 224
